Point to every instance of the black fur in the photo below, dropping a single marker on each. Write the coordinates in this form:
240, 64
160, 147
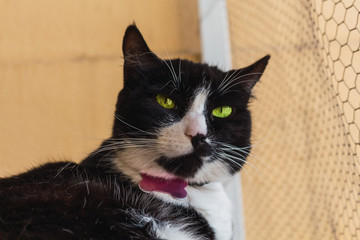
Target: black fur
67, 201
94, 199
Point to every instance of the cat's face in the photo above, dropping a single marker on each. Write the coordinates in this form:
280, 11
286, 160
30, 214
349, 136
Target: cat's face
179, 119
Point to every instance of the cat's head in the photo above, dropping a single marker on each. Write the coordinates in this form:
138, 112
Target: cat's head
180, 119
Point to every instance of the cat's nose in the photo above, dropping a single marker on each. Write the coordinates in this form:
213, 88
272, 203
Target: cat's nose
194, 130
196, 125
198, 140
190, 133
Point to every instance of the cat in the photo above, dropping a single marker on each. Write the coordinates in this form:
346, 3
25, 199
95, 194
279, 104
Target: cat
180, 129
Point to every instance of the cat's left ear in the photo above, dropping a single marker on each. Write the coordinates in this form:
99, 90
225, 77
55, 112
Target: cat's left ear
250, 75
135, 49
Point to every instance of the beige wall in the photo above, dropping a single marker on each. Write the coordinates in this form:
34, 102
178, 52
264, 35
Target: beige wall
60, 70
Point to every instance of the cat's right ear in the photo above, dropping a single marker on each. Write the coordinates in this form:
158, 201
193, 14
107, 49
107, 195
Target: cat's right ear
247, 77
135, 49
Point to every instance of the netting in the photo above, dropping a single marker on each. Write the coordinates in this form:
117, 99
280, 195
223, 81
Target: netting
305, 179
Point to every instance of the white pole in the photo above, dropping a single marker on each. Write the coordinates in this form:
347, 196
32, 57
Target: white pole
215, 43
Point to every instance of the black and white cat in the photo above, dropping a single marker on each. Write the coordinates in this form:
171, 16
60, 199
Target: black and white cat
180, 129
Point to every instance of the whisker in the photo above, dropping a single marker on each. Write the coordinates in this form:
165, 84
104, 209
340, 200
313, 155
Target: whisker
237, 72
227, 90
233, 157
120, 134
172, 70
245, 150
247, 173
173, 74
242, 167
230, 84
62, 169
179, 76
172, 67
125, 143
129, 125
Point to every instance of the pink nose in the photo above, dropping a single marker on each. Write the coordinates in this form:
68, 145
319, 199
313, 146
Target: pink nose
195, 126
191, 132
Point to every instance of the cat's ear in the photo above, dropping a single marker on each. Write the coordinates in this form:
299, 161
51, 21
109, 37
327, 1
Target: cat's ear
250, 75
134, 47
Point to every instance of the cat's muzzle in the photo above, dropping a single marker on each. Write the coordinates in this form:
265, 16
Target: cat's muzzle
201, 147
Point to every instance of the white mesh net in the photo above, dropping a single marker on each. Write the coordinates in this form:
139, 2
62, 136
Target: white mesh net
306, 117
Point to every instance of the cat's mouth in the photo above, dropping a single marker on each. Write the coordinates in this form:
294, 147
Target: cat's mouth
201, 145
187, 164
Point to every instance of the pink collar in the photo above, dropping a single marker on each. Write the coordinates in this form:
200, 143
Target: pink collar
175, 187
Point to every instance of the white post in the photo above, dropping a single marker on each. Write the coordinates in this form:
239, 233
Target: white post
215, 42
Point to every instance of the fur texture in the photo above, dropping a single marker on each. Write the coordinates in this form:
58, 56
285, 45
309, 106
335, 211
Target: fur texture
100, 198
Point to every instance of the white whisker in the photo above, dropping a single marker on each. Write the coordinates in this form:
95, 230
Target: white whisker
224, 87
129, 125
237, 72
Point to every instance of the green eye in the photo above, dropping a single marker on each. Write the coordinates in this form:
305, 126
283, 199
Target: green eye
165, 101
222, 112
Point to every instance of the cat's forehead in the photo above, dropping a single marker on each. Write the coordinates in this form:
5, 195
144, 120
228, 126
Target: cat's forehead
193, 74
194, 68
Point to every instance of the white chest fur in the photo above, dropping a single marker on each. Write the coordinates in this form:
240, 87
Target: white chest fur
212, 201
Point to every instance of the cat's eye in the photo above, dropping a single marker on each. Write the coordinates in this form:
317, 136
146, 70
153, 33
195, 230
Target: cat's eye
222, 112
165, 101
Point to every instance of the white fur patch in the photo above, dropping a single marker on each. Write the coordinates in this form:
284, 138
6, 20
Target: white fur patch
212, 201
194, 120
211, 171
164, 230
206, 200
174, 233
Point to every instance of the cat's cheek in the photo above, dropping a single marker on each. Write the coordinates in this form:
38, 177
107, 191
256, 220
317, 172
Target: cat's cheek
172, 142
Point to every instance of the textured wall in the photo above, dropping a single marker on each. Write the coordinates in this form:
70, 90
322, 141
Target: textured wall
305, 180
60, 70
